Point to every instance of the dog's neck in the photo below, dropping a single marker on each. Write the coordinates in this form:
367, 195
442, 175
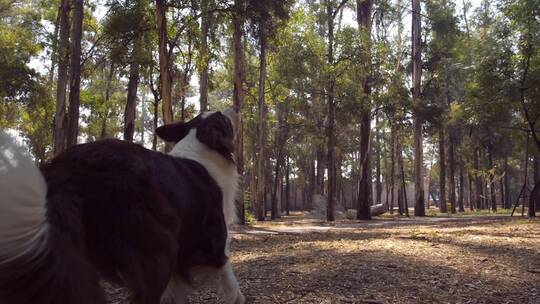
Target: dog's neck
222, 170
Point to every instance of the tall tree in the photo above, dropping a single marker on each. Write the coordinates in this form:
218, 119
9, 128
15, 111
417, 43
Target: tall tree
364, 9
419, 208
442, 171
63, 59
261, 160
238, 19
204, 56
164, 64
75, 73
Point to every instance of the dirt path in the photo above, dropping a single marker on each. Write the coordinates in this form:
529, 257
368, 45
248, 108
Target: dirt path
469, 259
431, 260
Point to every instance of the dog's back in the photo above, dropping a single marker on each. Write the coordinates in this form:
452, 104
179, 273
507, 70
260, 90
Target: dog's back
118, 211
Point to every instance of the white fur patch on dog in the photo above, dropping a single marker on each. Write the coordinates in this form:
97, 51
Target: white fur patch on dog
220, 169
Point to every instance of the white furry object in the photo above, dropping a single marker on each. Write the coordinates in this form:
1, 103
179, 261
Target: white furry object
23, 227
220, 169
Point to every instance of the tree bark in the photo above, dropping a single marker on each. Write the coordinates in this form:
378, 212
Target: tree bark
279, 159
60, 124
287, 186
536, 179
492, 180
461, 188
419, 209
507, 197
75, 73
238, 98
261, 164
331, 117
105, 117
133, 84
452, 171
363, 13
164, 68
442, 171
205, 57
378, 183
478, 181
392, 166
319, 187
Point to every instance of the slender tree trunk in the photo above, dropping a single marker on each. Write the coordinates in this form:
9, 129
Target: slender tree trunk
478, 180
442, 171
378, 184
133, 84
261, 164
419, 209
105, 118
331, 118
363, 13
238, 98
54, 47
452, 171
461, 188
536, 179
507, 197
164, 68
392, 167
471, 201
75, 73
319, 189
492, 181
287, 186
405, 200
312, 183
205, 57
60, 123
404, 205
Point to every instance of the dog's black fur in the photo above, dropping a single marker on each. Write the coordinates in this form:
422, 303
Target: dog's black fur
120, 212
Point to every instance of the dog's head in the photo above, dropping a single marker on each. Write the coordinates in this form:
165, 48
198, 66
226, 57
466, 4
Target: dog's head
214, 129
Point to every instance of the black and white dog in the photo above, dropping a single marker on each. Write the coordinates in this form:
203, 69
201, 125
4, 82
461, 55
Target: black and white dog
114, 210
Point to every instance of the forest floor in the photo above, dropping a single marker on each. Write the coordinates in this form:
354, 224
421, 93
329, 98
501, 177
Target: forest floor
452, 259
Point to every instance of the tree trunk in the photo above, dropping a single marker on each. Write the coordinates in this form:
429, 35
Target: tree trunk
319, 187
363, 13
419, 209
533, 200
471, 201
75, 73
238, 99
164, 69
156, 116
312, 183
452, 171
131, 103
261, 164
204, 57
442, 171
331, 117
54, 47
536, 179
287, 186
60, 126
478, 180
378, 184
392, 166
492, 180
507, 197
105, 117
461, 187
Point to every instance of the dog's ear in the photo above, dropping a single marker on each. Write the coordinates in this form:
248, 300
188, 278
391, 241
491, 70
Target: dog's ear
173, 132
217, 133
